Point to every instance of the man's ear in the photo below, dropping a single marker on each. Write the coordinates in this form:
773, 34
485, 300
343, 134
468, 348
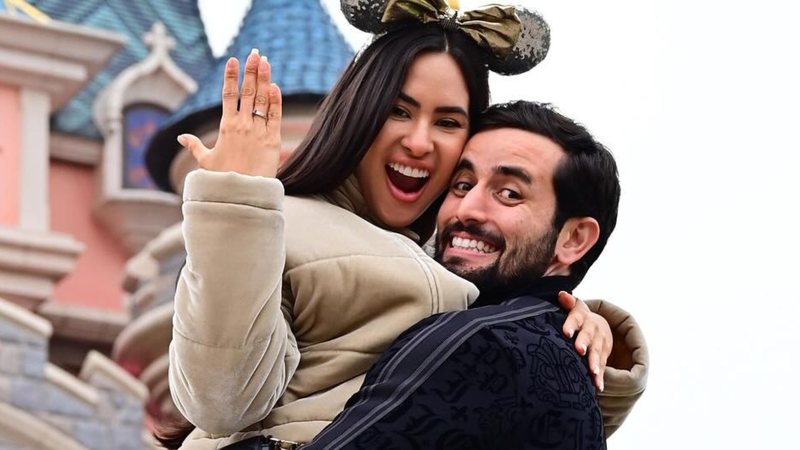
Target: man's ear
577, 237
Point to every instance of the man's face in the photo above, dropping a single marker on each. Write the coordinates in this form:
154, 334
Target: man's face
496, 223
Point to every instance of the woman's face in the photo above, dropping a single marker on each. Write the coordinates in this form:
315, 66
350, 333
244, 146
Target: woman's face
410, 161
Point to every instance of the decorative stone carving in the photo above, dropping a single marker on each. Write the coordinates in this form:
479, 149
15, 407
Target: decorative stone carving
135, 216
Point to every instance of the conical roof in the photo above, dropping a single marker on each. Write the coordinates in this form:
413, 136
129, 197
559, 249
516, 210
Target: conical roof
133, 19
306, 51
22, 9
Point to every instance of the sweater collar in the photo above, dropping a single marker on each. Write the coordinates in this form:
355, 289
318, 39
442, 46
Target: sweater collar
545, 288
349, 196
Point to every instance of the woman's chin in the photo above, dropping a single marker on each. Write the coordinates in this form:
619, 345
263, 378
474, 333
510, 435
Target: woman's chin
401, 215
398, 219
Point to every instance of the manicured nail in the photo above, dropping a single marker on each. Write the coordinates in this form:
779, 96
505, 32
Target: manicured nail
602, 386
585, 348
596, 370
182, 139
264, 59
254, 51
570, 332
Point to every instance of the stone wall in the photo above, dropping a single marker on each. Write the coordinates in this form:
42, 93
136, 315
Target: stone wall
42, 406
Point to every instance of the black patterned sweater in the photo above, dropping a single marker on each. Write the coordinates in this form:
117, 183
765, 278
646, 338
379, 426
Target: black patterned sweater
494, 377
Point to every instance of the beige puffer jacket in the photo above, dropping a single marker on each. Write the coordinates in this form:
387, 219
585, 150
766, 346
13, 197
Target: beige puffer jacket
273, 339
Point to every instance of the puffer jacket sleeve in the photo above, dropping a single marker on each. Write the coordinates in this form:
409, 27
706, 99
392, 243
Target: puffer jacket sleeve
626, 372
232, 352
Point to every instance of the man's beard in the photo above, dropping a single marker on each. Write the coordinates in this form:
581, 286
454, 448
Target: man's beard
515, 267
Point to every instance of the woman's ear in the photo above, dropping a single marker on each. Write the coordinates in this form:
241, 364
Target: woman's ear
577, 237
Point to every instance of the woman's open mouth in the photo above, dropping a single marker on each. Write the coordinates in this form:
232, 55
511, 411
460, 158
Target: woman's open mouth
406, 183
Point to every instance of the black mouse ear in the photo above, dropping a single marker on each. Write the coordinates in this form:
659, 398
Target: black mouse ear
365, 15
531, 47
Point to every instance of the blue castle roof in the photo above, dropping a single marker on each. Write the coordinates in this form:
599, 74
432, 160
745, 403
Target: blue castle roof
305, 49
132, 19
22, 10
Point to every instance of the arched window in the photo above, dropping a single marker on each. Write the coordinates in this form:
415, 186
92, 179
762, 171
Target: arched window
140, 124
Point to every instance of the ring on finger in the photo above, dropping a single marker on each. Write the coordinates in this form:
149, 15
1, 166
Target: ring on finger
261, 114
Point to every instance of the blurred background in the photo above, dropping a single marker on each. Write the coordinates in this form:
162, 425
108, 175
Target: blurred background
697, 100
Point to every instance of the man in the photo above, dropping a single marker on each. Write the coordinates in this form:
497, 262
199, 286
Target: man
530, 208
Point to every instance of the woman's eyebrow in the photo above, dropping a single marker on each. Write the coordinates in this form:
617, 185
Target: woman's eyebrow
408, 99
441, 109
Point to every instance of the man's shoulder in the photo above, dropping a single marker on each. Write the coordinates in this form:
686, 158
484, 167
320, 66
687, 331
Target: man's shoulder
526, 335
516, 360
442, 334
524, 316
517, 331
537, 344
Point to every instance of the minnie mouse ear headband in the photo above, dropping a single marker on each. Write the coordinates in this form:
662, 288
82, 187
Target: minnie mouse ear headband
515, 38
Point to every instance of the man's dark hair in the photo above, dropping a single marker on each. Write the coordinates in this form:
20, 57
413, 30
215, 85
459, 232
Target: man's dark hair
586, 182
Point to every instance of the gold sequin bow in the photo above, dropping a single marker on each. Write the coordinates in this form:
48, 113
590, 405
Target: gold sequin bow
495, 27
515, 39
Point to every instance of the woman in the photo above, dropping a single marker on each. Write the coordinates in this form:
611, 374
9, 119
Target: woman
286, 301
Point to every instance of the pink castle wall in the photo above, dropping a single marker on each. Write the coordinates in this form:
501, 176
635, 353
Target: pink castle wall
95, 282
10, 129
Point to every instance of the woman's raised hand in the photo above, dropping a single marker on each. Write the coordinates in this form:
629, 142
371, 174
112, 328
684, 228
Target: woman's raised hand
249, 140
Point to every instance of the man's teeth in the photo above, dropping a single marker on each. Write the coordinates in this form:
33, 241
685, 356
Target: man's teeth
410, 171
472, 244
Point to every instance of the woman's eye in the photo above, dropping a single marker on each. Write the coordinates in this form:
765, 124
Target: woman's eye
399, 112
508, 194
450, 123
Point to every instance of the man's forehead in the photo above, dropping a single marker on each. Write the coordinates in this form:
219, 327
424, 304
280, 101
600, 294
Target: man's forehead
511, 146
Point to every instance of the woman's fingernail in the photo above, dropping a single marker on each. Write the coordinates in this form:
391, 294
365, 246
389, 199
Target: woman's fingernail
254, 51
596, 370
182, 139
602, 386
264, 59
585, 348
571, 332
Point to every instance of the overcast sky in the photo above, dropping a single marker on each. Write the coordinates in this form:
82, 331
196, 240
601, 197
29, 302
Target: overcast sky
698, 102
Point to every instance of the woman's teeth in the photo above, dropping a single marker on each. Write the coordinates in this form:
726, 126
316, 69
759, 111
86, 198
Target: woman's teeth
472, 244
410, 171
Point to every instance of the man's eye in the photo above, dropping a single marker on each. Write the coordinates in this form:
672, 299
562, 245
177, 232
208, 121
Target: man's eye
509, 194
461, 186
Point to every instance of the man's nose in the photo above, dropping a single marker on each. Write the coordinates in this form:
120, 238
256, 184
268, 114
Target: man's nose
473, 206
418, 141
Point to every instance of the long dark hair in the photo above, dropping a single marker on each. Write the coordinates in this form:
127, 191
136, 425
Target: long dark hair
354, 112
352, 115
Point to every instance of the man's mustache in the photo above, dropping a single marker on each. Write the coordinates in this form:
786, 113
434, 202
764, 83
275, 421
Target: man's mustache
474, 230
